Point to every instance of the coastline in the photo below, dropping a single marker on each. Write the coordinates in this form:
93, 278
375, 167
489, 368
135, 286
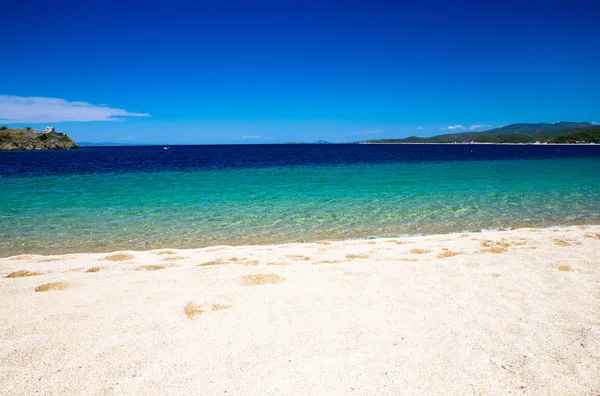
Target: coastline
494, 144
488, 312
61, 250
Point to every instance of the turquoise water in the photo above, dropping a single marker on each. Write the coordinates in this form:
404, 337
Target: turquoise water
94, 212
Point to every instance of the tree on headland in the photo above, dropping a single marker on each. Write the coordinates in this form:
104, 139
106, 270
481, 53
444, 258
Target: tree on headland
3, 128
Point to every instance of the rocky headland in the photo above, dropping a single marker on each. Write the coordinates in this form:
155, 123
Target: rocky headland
32, 139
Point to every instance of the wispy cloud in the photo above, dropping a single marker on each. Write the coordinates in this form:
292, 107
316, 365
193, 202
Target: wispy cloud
371, 132
478, 126
17, 109
456, 127
419, 128
248, 137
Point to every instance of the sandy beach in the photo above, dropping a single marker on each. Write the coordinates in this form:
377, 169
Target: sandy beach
512, 312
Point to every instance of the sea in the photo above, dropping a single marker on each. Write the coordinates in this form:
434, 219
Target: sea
101, 199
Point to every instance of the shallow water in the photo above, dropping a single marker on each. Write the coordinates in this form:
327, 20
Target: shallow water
102, 199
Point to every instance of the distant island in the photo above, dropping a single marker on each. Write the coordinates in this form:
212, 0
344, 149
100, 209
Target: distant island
559, 132
28, 138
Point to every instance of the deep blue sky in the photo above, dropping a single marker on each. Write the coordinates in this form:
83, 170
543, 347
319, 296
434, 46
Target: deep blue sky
252, 71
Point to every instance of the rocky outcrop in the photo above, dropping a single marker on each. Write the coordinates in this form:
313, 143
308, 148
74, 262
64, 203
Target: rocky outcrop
30, 139
38, 145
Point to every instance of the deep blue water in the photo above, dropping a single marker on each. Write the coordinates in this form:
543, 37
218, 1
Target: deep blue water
187, 158
111, 198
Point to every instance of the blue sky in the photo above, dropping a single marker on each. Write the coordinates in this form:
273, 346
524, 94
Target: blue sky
259, 72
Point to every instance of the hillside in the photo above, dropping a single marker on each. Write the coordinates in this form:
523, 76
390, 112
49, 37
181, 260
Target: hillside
514, 133
534, 128
31, 139
587, 135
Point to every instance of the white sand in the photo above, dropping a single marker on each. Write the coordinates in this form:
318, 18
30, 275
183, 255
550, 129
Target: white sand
386, 321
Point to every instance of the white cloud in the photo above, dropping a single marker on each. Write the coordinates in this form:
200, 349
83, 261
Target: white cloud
17, 109
595, 123
456, 127
477, 126
248, 137
419, 128
372, 132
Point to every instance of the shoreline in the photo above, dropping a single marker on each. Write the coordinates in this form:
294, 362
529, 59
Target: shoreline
489, 312
298, 241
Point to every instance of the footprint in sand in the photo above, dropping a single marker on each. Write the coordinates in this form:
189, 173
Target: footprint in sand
192, 310
564, 242
419, 251
150, 267
354, 256
119, 257
174, 258
495, 250
565, 268
494, 247
22, 274
53, 286
298, 257
328, 262
448, 253
213, 262
220, 307
260, 279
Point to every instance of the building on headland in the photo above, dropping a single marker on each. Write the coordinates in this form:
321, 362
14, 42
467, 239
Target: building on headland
49, 130
52, 131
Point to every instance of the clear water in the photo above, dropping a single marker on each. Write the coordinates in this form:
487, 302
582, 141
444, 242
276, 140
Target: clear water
105, 199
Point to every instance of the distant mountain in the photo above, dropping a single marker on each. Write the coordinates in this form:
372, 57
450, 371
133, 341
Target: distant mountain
514, 133
532, 128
